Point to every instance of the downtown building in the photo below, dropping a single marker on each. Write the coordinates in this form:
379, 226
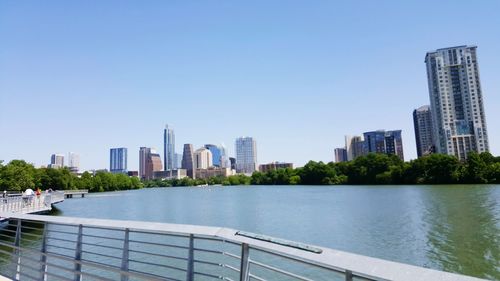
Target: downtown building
169, 149
73, 162
56, 161
387, 142
203, 158
355, 147
149, 163
118, 160
422, 121
456, 101
246, 155
340, 155
216, 154
264, 168
188, 160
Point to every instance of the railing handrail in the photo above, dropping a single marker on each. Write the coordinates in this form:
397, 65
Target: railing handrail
75, 191
329, 258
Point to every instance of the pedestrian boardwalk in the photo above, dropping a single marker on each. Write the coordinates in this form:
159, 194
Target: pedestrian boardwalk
32, 204
71, 193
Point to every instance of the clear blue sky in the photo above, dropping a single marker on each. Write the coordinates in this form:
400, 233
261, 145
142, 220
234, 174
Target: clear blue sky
85, 76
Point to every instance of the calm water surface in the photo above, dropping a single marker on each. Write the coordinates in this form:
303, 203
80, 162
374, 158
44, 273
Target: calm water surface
451, 228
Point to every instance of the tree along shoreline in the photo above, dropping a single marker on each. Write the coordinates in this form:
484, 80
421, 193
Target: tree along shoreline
372, 169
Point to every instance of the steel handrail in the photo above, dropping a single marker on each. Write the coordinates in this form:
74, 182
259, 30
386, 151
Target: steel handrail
334, 261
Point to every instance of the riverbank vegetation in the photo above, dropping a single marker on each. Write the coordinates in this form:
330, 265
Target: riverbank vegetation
18, 175
369, 170
372, 169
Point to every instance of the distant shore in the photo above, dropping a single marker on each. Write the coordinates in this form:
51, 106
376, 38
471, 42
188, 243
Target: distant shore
372, 169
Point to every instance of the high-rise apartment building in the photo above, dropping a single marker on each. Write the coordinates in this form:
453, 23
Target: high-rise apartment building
388, 142
340, 155
188, 160
169, 149
355, 147
456, 101
118, 160
73, 162
203, 158
422, 121
56, 161
246, 155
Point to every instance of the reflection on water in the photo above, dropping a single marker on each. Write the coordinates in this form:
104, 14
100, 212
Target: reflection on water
463, 230
451, 228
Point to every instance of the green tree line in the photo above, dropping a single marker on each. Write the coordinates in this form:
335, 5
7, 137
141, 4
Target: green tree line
18, 175
371, 169
389, 169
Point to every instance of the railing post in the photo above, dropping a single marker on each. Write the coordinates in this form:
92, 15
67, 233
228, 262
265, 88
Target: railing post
245, 262
43, 257
78, 254
190, 265
16, 257
348, 275
125, 255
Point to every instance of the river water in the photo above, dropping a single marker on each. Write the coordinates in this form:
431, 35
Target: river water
450, 228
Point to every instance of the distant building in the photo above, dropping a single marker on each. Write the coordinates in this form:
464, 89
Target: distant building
56, 161
456, 101
232, 163
133, 173
170, 174
178, 161
213, 172
143, 156
94, 172
355, 147
388, 142
223, 158
153, 164
274, 166
246, 155
340, 155
74, 162
169, 149
118, 160
422, 121
202, 159
188, 160
216, 154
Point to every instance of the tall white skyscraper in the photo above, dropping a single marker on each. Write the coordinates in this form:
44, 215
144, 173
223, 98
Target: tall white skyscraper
246, 155
169, 149
456, 101
74, 162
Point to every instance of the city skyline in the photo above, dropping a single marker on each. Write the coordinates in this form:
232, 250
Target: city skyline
317, 64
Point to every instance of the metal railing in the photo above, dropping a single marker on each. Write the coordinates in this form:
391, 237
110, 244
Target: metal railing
31, 203
76, 191
34, 247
